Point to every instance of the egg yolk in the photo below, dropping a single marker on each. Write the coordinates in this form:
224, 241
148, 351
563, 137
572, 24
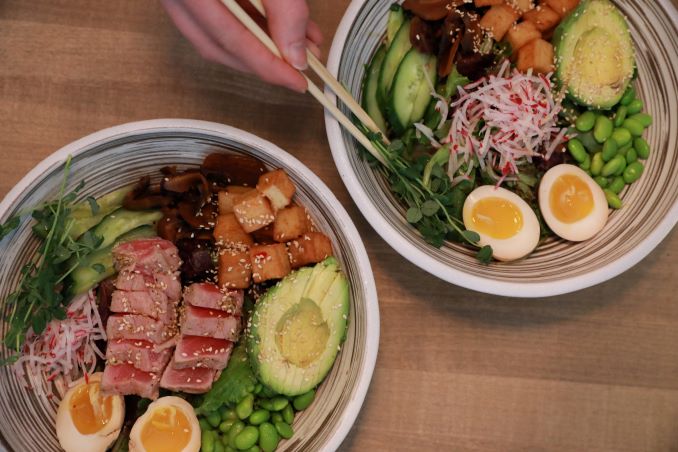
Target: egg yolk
89, 410
497, 218
167, 430
571, 199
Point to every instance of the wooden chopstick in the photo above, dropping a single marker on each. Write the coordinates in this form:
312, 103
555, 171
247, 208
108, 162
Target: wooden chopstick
256, 30
327, 77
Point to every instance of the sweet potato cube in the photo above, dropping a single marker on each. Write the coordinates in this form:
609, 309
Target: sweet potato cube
229, 233
562, 7
522, 6
498, 19
254, 211
269, 262
521, 34
482, 3
230, 197
235, 269
264, 236
290, 223
277, 187
310, 248
543, 17
538, 55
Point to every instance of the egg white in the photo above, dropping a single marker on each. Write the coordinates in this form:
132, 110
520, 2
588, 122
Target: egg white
588, 226
512, 248
135, 444
71, 439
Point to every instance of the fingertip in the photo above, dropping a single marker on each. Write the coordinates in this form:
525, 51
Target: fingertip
314, 33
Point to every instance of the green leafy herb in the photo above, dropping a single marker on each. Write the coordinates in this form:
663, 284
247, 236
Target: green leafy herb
9, 226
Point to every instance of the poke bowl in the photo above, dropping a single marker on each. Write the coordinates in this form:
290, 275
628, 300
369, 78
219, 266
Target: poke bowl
366, 58
123, 164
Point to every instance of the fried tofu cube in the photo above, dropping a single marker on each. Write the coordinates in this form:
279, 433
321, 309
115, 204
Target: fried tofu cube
235, 269
537, 55
254, 211
269, 262
290, 223
264, 236
498, 19
482, 3
277, 187
230, 197
522, 33
310, 248
543, 17
522, 6
562, 7
229, 233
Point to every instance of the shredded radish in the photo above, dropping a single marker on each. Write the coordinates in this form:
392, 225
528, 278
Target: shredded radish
428, 133
66, 349
502, 120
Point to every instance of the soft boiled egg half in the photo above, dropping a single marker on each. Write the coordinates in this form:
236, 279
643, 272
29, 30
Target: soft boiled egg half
572, 204
503, 220
86, 419
168, 425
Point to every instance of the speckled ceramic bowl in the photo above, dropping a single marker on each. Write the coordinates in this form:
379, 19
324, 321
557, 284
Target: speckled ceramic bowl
115, 157
556, 267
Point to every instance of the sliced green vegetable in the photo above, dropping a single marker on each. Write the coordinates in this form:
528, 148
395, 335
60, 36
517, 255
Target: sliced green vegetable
88, 214
394, 55
122, 221
370, 85
396, 17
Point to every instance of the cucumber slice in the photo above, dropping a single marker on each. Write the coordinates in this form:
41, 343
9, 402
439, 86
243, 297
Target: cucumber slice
411, 92
82, 216
396, 17
394, 55
122, 221
370, 84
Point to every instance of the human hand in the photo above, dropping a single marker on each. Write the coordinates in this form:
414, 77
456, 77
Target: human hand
220, 37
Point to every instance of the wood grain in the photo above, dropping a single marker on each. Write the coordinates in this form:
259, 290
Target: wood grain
593, 371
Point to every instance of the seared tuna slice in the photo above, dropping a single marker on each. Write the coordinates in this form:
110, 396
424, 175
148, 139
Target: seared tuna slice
152, 303
193, 380
139, 327
206, 295
124, 379
211, 323
200, 351
134, 280
154, 255
141, 354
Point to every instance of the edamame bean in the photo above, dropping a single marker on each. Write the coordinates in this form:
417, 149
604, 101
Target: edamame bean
276, 417
259, 416
631, 156
644, 118
268, 437
577, 150
230, 449
613, 200
634, 127
610, 149
620, 116
235, 431
257, 388
624, 150
266, 404
254, 448
303, 401
621, 136
633, 172
288, 414
601, 181
207, 441
279, 403
586, 164
622, 167
603, 129
204, 425
247, 438
588, 141
267, 392
218, 447
226, 425
585, 121
597, 163
629, 96
245, 407
613, 166
642, 148
228, 413
214, 419
636, 106
617, 185
284, 430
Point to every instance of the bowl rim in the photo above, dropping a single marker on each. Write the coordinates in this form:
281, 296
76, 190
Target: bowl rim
426, 262
371, 343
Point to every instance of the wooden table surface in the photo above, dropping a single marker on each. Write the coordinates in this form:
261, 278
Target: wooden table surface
592, 371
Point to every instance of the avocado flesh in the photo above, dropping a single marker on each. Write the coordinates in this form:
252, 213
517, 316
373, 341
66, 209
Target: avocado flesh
297, 328
594, 54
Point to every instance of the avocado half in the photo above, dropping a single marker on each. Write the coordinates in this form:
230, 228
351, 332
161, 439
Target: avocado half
297, 327
595, 58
